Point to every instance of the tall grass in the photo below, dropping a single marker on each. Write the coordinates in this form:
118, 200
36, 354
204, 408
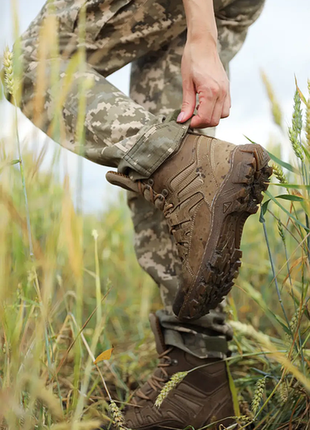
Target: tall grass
71, 288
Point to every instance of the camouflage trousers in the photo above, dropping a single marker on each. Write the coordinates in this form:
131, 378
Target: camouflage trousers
126, 132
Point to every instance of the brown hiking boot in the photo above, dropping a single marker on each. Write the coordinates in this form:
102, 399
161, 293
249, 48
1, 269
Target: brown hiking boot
206, 190
203, 396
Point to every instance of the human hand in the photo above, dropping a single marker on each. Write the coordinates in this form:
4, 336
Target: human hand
204, 74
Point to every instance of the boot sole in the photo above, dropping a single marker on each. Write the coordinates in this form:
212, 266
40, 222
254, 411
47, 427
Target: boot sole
237, 199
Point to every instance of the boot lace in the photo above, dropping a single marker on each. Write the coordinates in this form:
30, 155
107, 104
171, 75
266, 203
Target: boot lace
159, 201
155, 382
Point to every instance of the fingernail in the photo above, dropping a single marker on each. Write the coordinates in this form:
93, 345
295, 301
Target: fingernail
180, 117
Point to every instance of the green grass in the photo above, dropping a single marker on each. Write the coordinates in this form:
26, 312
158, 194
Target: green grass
76, 266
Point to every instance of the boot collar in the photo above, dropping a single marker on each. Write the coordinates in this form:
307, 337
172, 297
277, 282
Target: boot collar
158, 334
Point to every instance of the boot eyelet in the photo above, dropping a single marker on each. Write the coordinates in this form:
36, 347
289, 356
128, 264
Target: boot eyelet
174, 362
151, 182
164, 192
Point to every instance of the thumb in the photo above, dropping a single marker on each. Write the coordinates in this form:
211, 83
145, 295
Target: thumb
189, 102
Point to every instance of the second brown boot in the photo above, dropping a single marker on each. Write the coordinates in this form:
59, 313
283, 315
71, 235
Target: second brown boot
203, 397
206, 191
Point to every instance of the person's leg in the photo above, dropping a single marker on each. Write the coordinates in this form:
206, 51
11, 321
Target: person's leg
116, 33
156, 84
233, 19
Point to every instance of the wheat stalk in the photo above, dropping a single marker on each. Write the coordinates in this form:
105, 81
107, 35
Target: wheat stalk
283, 391
248, 330
10, 86
170, 385
8, 71
258, 394
295, 143
307, 125
275, 107
118, 418
294, 323
297, 113
244, 420
281, 231
295, 130
278, 173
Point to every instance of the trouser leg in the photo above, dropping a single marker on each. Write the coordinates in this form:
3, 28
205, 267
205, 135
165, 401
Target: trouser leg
233, 21
116, 33
118, 132
156, 84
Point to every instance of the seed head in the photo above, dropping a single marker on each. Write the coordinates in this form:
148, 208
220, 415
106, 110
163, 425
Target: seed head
308, 116
275, 107
295, 130
278, 172
295, 321
293, 135
8, 71
281, 231
283, 392
118, 418
249, 330
244, 419
297, 114
174, 381
258, 394
308, 123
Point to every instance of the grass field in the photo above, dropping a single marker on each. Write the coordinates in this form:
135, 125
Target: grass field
71, 288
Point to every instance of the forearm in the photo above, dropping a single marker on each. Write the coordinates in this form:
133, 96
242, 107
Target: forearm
202, 70
200, 19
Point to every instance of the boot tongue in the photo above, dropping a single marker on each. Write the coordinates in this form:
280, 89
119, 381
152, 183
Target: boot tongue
158, 334
122, 181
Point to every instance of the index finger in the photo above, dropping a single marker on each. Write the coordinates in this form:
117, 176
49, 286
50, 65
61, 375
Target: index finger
208, 98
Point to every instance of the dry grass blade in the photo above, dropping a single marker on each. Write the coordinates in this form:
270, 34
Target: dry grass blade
275, 107
265, 343
73, 342
6, 199
85, 425
40, 392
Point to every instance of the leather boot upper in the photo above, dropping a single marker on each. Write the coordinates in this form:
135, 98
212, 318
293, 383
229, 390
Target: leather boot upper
201, 398
206, 190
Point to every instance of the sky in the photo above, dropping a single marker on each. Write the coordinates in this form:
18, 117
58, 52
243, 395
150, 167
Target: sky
277, 43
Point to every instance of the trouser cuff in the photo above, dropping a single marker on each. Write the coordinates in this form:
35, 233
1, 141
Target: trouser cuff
199, 340
155, 145
198, 344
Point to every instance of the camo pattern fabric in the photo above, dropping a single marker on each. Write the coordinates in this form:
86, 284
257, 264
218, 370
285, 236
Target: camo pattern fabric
117, 130
120, 131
